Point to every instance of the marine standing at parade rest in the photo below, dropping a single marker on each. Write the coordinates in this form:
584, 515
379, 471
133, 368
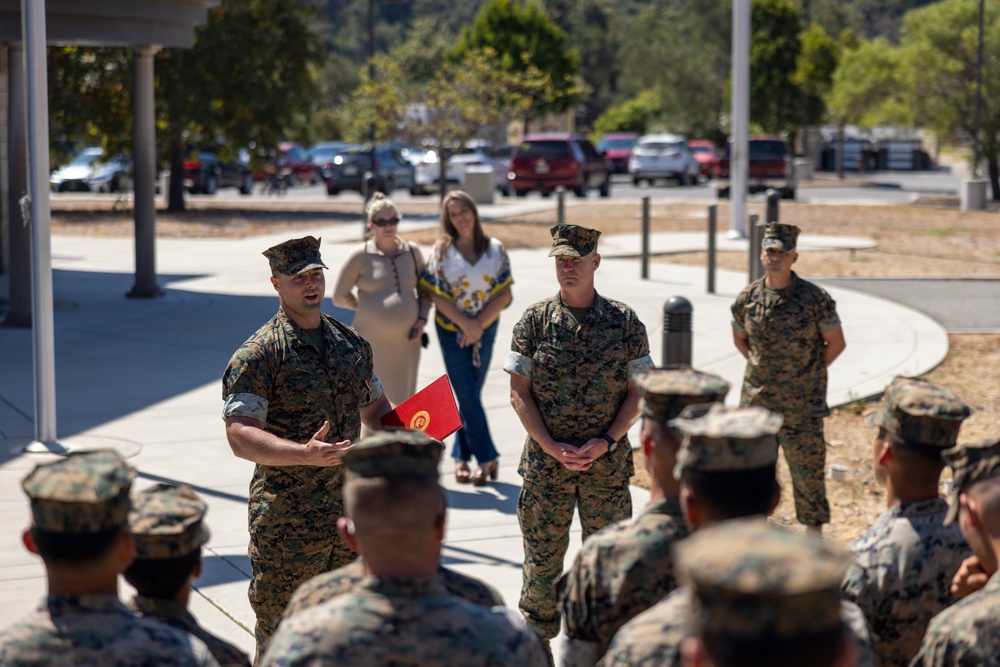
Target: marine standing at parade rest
904, 564
400, 615
762, 595
968, 632
727, 467
79, 511
625, 568
169, 528
296, 393
573, 363
789, 332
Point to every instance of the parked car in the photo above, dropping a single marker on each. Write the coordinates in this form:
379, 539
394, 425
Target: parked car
322, 153
292, 162
706, 154
205, 173
88, 171
428, 174
616, 147
347, 170
547, 160
665, 156
770, 166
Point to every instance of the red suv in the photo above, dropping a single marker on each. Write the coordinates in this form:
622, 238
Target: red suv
548, 160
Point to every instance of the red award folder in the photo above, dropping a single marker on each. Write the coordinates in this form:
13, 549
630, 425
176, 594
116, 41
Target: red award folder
431, 410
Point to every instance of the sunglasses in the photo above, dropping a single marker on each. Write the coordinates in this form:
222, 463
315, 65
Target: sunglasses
385, 222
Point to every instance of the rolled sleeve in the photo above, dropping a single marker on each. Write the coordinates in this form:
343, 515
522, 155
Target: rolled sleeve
638, 366
518, 364
375, 389
245, 405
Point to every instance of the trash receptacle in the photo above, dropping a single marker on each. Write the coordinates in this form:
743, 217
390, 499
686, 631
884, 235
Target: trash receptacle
479, 183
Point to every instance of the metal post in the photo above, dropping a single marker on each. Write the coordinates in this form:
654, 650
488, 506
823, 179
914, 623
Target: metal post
976, 170
773, 197
144, 168
645, 238
560, 205
677, 316
712, 223
19, 234
740, 113
756, 269
369, 175
43, 332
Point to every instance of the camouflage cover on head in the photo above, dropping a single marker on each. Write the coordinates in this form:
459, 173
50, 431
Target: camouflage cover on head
920, 412
394, 453
780, 236
167, 521
754, 580
82, 493
573, 240
717, 438
295, 256
668, 390
970, 463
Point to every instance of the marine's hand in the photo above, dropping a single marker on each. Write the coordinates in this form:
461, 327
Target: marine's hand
970, 578
318, 452
595, 448
568, 455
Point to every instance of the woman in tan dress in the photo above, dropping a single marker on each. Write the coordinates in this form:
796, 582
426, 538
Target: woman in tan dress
379, 281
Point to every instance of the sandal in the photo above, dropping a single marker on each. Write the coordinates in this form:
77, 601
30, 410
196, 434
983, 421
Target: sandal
490, 470
462, 472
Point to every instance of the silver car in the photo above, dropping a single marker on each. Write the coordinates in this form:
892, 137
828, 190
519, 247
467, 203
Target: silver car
665, 156
90, 171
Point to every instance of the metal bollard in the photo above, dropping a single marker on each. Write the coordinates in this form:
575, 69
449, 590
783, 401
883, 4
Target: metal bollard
756, 269
560, 205
645, 238
677, 315
712, 224
773, 197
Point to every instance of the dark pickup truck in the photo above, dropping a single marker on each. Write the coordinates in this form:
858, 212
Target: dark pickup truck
771, 166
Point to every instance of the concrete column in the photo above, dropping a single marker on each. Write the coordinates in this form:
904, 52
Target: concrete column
144, 175
19, 238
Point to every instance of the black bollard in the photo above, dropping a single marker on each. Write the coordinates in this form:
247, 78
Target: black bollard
677, 312
773, 197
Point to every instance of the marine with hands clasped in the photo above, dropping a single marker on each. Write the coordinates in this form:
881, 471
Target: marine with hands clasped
296, 393
573, 363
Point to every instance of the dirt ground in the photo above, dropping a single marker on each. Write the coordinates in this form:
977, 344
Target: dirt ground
932, 240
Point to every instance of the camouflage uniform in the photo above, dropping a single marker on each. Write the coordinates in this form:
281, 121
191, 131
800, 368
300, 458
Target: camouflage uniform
280, 378
625, 568
968, 632
903, 566
715, 439
168, 522
401, 620
85, 494
580, 374
326, 586
786, 371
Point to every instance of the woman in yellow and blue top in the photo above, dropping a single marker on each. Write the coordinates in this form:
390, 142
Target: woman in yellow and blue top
468, 278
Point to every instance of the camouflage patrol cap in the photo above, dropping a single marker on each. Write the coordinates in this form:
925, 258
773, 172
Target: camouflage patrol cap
85, 492
167, 521
295, 256
970, 463
668, 390
920, 412
753, 580
718, 439
394, 453
573, 240
780, 236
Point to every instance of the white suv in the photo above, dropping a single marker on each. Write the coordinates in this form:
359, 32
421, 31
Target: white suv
663, 156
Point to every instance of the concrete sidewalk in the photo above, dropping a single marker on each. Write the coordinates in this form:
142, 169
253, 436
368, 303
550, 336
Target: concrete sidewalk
144, 377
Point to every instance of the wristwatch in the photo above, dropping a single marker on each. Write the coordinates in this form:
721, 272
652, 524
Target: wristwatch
612, 443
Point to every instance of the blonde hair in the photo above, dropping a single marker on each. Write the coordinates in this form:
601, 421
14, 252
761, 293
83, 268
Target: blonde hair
379, 202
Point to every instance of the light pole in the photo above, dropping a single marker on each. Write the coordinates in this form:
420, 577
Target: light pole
977, 151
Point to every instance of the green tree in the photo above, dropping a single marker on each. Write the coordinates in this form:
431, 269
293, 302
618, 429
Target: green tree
775, 100
525, 41
866, 89
634, 115
815, 67
938, 69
